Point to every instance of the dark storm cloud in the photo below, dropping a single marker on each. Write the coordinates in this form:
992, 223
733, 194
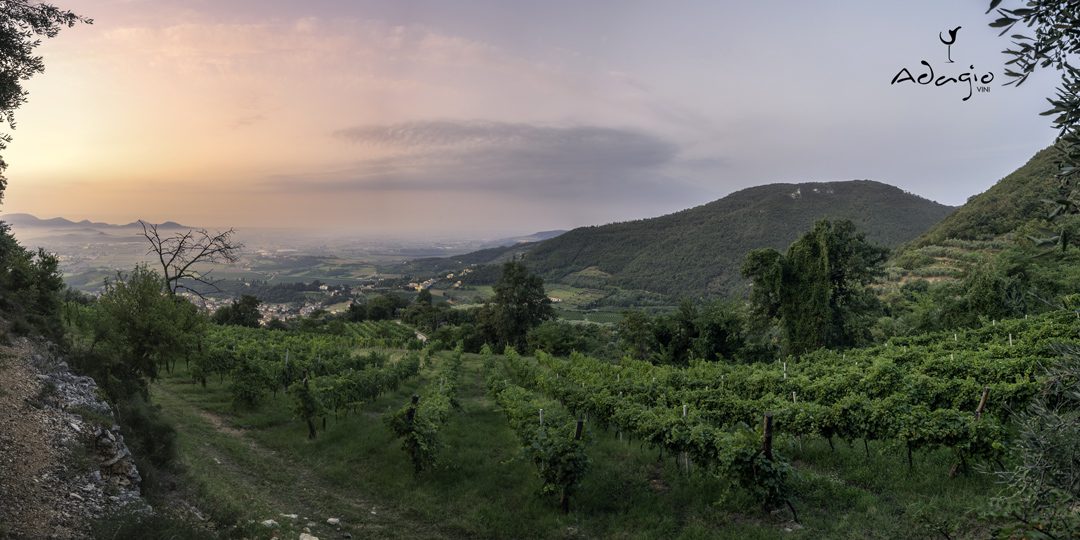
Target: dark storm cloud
510, 158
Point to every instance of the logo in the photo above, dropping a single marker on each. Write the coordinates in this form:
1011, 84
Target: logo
948, 44
926, 75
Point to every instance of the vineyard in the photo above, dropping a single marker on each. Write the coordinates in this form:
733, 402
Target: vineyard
604, 447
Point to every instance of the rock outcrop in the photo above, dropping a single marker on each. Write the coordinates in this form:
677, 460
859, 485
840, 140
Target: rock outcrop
63, 461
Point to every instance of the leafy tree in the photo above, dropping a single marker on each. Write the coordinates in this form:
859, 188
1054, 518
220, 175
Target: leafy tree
520, 303
22, 25
561, 338
243, 311
817, 291
720, 334
132, 330
30, 283
357, 312
424, 297
636, 334
1043, 489
675, 335
384, 307
30, 287
122, 340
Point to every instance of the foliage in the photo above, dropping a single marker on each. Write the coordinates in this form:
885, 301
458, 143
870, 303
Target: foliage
122, 340
420, 422
1015, 281
132, 331
1006, 206
550, 438
243, 311
380, 308
22, 25
628, 402
636, 335
520, 303
817, 291
30, 288
1043, 489
561, 338
1053, 42
30, 283
308, 406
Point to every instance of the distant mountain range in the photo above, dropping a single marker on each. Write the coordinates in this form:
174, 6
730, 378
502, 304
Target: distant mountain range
700, 250
28, 220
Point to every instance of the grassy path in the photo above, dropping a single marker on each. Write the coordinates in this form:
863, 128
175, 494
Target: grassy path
258, 481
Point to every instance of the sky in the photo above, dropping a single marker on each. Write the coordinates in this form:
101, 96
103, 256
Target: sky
483, 118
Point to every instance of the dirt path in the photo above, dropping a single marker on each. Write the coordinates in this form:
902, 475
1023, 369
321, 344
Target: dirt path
291, 488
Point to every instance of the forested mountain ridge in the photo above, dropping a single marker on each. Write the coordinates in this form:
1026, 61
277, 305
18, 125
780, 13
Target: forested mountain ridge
700, 250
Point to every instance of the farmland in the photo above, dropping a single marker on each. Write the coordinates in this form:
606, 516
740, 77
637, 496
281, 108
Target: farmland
638, 481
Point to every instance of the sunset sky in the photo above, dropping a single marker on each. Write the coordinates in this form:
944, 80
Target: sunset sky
486, 117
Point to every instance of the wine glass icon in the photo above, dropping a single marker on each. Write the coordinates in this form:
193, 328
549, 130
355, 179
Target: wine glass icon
948, 44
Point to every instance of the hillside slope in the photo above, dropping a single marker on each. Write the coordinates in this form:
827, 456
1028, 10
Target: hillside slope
1009, 203
700, 250
983, 226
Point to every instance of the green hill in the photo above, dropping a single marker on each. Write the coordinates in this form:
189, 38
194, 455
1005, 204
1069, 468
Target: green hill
983, 226
1007, 205
700, 250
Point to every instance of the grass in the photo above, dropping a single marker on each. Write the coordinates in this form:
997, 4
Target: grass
258, 464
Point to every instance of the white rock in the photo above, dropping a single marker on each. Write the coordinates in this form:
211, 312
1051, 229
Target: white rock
306, 536
269, 523
333, 521
290, 516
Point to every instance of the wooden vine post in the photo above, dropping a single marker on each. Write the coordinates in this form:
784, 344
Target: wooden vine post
766, 439
982, 402
962, 466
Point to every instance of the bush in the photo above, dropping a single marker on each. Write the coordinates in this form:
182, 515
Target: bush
146, 432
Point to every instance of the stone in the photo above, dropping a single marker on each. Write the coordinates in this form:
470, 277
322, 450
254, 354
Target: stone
290, 516
333, 521
306, 536
269, 523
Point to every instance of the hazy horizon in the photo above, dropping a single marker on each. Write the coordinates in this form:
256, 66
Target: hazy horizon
486, 119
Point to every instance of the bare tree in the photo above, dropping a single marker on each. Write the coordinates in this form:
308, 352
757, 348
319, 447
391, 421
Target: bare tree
179, 254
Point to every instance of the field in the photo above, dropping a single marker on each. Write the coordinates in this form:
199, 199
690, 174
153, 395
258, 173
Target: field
258, 463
